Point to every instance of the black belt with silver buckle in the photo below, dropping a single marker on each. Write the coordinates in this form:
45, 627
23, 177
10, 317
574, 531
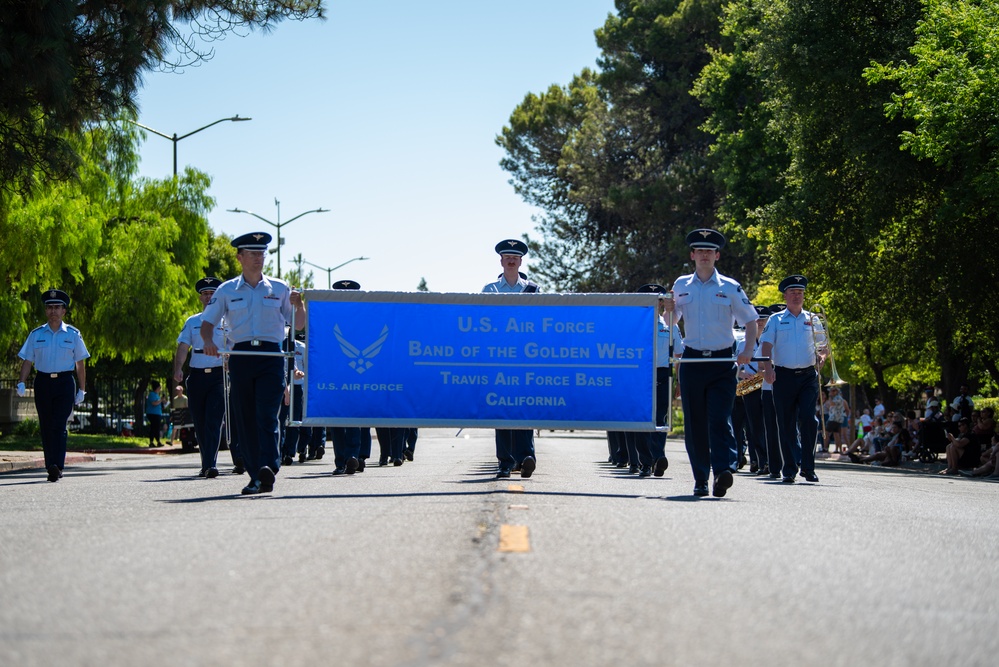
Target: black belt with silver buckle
204, 370
691, 352
795, 371
257, 345
57, 375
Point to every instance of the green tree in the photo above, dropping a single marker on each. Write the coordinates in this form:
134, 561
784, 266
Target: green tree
66, 65
617, 159
949, 89
831, 194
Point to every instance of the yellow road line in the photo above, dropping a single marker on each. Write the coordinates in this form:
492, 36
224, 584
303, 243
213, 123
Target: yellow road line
514, 539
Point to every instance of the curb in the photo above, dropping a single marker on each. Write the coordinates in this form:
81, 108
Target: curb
39, 464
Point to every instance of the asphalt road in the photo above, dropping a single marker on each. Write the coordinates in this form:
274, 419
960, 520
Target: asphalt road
132, 560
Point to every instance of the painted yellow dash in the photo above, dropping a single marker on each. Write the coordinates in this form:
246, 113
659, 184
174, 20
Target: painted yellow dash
513, 539
515, 488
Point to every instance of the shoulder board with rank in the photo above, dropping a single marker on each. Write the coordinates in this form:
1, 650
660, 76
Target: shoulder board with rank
38, 328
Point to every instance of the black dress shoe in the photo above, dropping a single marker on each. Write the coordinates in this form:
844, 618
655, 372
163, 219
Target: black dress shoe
503, 472
382, 462
266, 476
54, 473
397, 462
723, 482
765, 470
632, 469
660, 466
212, 473
527, 467
516, 467
700, 488
621, 464
810, 476
302, 458
742, 462
251, 489
645, 471
754, 468
287, 461
408, 453
238, 470
787, 480
773, 475
202, 472
339, 471
320, 453
351, 465
360, 465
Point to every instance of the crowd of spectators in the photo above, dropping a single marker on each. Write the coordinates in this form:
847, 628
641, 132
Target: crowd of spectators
964, 437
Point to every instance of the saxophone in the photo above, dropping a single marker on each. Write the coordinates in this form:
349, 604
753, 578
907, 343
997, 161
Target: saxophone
749, 385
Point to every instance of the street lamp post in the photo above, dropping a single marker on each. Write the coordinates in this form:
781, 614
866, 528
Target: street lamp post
329, 271
175, 138
278, 225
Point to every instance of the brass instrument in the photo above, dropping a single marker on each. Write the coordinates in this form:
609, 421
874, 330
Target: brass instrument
822, 340
819, 315
749, 385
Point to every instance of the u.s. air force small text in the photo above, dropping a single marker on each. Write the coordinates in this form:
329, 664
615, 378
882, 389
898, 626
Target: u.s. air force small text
357, 386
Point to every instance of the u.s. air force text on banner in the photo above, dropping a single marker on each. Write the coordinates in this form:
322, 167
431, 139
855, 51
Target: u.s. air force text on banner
486, 360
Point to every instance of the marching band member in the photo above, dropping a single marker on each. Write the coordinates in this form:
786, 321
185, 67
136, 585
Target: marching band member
257, 308
205, 384
790, 340
656, 440
57, 350
753, 402
514, 447
708, 303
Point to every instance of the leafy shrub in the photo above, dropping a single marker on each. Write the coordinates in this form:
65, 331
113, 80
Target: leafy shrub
27, 428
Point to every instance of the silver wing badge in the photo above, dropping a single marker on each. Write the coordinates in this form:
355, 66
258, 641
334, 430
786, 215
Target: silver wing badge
360, 359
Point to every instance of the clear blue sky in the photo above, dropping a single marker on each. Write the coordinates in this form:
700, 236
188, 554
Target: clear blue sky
385, 114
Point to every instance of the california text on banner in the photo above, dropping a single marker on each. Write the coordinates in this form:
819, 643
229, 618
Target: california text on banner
480, 360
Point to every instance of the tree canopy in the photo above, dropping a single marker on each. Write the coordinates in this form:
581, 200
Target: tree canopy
65, 65
850, 140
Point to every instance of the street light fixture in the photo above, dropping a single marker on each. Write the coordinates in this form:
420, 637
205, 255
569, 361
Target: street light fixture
175, 138
278, 225
329, 271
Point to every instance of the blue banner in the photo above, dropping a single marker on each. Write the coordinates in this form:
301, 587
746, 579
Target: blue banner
485, 360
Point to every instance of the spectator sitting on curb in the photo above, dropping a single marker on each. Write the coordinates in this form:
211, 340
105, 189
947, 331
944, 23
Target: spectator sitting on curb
892, 453
871, 441
962, 451
988, 467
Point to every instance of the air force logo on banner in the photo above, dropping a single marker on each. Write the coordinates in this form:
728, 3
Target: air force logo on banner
361, 359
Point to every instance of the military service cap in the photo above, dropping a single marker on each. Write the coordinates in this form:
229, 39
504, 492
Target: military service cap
705, 238
511, 247
252, 241
55, 296
207, 284
793, 282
